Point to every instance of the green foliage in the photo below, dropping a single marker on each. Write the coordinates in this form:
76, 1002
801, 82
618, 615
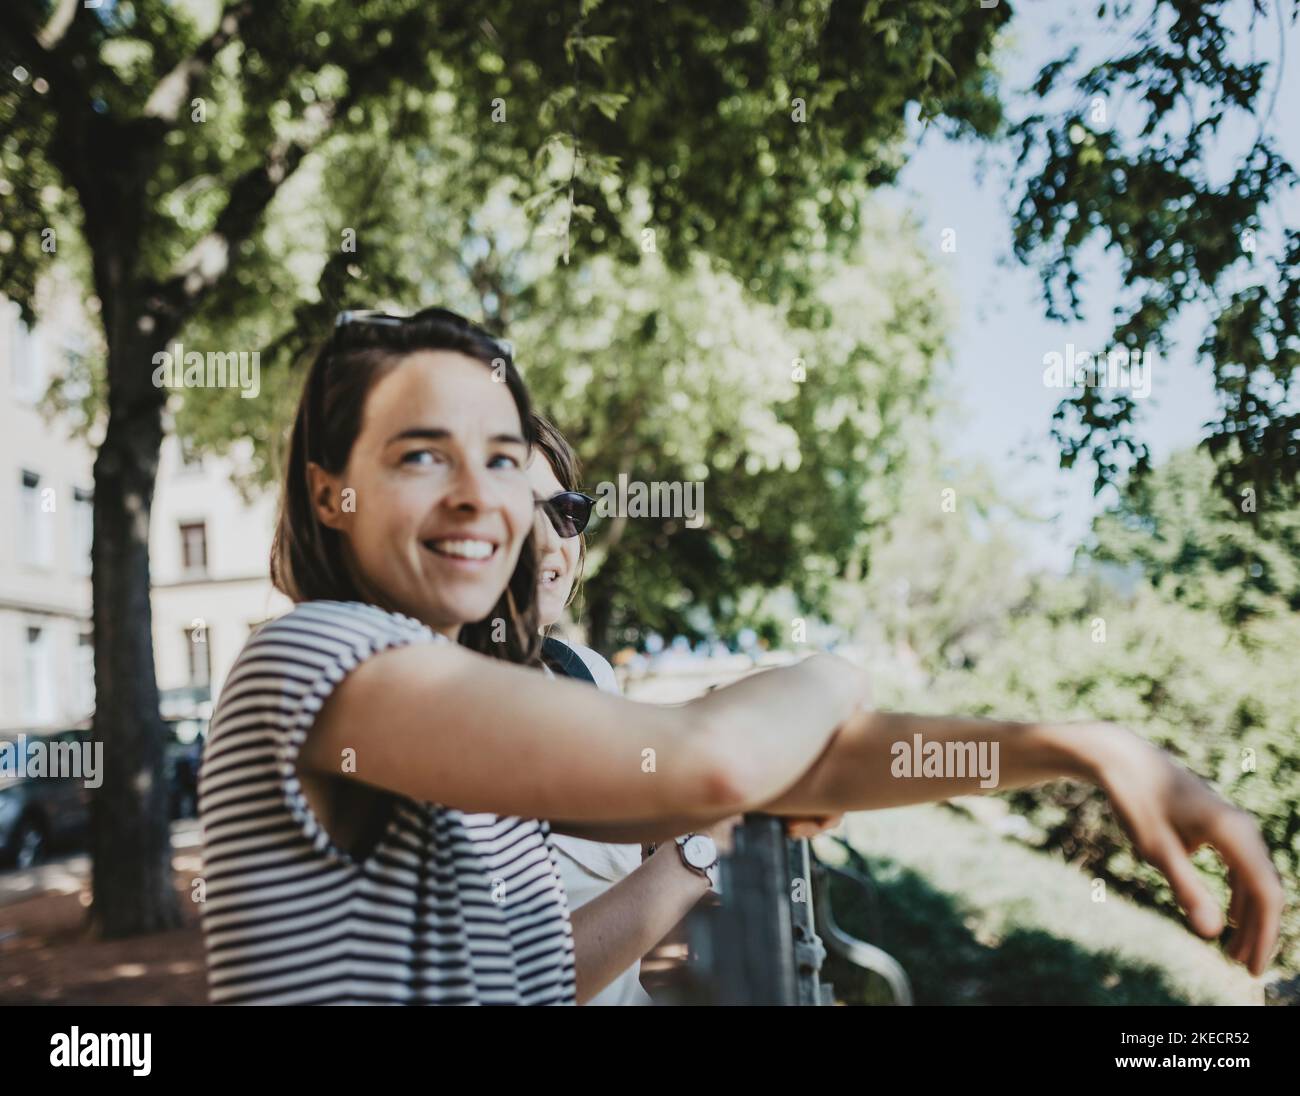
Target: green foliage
797, 433
978, 919
1177, 658
426, 131
659, 374
1177, 677
1240, 561
512, 160
1126, 151
693, 108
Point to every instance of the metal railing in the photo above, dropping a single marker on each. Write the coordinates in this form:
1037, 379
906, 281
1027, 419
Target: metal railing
760, 944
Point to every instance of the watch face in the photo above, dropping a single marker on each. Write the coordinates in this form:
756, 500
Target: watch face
700, 851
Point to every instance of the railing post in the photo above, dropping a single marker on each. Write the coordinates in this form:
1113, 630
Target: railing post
760, 944
809, 952
744, 948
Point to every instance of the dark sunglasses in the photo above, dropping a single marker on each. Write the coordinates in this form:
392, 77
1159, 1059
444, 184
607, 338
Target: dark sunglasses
387, 319
569, 511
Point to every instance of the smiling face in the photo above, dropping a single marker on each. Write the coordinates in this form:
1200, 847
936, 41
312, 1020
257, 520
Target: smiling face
441, 504
558, 557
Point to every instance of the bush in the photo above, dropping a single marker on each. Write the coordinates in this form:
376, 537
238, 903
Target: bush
1224, 703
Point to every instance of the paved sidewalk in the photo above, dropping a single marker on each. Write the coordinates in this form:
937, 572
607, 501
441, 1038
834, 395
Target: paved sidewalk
48, 955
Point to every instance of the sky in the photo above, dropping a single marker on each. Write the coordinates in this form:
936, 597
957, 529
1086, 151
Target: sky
1000, 409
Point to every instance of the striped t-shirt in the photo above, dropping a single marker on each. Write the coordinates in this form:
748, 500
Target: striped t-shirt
447, 908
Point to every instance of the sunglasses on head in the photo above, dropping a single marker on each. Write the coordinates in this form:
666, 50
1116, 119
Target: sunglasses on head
569, 512
381, 318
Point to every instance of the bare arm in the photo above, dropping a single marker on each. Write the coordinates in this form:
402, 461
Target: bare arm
445, 725
616, 928
1166, 810
862, 769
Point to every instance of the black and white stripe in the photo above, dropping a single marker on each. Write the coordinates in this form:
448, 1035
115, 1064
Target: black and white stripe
448, 908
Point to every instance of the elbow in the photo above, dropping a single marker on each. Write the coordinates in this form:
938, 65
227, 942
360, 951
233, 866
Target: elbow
727, 781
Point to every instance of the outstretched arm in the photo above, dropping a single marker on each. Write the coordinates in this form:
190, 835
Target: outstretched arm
442, 724
1166, 810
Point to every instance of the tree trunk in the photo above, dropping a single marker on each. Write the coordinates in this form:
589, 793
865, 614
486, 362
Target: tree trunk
130, 811
598, 618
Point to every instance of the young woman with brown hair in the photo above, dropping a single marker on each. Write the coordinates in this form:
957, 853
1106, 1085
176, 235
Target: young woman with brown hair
378, 766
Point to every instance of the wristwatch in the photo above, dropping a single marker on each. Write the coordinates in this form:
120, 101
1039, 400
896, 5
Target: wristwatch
700, 854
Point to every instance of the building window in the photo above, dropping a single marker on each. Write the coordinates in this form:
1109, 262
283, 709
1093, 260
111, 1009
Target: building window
28, 362
198, 648
194, 547
83, 529
35, 524
38, 697
85, 671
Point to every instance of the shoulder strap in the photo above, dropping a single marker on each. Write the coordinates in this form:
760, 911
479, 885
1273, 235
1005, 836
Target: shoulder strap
565, 660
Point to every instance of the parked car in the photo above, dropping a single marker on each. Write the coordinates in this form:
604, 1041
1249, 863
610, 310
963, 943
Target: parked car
40, 814
43, 815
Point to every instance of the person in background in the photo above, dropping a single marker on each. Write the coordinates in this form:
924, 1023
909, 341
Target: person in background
621, 905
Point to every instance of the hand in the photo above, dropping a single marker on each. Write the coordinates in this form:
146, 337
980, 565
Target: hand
1168, 813
796, 828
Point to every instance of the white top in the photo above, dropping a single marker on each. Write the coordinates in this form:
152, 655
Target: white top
589, 868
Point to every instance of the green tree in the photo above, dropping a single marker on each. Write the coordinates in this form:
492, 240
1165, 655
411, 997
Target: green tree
1180, 677
660, 375
1162, 152
1178, 621
1199, 548
795, 433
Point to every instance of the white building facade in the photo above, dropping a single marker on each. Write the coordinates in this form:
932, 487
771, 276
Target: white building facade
209, 548
209, 557
46, 666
